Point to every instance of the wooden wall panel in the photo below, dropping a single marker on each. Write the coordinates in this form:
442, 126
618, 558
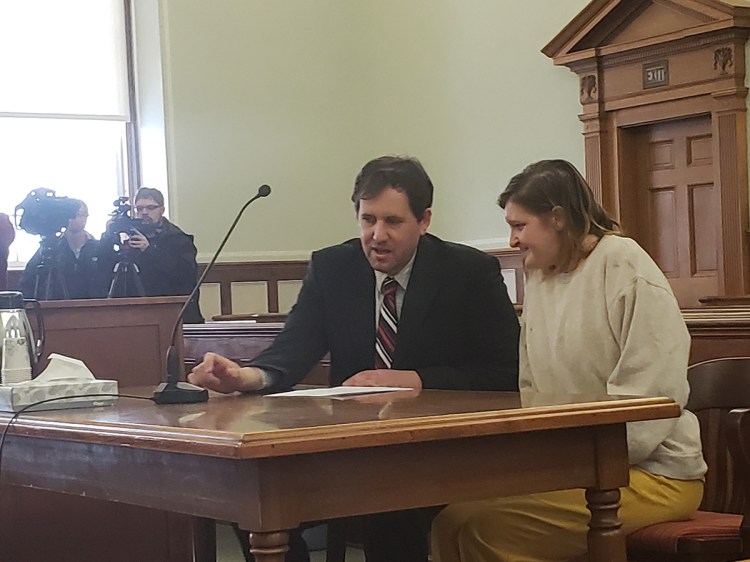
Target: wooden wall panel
734, 201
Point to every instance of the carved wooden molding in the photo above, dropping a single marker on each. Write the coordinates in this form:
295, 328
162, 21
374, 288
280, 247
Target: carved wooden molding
588, 88
723, 59
698, 49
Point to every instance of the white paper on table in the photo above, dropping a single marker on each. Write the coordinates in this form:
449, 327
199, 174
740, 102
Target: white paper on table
339, 391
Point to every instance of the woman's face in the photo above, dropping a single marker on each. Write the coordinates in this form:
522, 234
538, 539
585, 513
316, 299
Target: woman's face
538, 237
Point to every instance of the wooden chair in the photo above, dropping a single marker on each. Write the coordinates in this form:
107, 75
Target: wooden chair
738, 437
713, 533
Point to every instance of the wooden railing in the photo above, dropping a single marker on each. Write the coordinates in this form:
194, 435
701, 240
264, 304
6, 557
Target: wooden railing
272, 272
715, 332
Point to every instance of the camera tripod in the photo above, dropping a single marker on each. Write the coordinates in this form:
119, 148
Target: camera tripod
49, 282
126, 278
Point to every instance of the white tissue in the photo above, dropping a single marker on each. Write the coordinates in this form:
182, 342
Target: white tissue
62, 367
65, 383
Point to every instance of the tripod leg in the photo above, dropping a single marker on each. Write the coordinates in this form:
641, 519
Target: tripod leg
42, 283
115, 281
60, 283
126, 280
48, 285
37, 286
137, 281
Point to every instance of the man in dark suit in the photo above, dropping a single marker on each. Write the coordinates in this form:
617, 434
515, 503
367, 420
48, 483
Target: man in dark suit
452, 325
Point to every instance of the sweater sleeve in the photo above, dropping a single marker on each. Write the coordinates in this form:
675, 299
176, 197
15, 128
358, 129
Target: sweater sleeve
654, 345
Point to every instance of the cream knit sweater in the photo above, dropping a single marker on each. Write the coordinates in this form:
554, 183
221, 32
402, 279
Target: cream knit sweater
613, 326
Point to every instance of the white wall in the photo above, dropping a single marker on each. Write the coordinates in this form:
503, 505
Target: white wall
300, 93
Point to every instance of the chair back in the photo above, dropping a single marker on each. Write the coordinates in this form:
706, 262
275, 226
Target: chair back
716, 387
738, 436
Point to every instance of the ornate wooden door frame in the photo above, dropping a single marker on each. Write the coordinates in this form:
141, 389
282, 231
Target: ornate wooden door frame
644, 61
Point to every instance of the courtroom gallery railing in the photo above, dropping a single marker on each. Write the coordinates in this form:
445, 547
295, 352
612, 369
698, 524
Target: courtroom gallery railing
273, 272
721, 328
715, 332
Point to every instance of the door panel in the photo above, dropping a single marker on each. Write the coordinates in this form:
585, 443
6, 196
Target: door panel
673, 206
703, 234
662, 218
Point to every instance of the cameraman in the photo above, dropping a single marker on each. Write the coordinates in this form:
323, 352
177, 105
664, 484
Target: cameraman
164, 254
7, 235
75, 259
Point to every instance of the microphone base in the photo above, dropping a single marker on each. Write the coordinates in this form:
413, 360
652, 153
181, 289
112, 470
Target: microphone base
179, 393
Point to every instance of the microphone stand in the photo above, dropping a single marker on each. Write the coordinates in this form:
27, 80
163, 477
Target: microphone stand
175, 391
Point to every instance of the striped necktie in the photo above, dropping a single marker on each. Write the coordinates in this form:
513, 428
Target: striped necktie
385, 338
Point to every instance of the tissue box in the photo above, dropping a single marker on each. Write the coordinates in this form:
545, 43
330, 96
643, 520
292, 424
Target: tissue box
17, 396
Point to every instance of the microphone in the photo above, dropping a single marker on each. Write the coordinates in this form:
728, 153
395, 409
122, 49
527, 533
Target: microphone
175, 391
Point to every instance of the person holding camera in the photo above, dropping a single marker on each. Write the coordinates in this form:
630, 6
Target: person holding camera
74, 261
164, 255
7, 235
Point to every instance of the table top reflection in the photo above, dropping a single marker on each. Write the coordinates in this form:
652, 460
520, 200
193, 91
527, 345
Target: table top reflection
257, 426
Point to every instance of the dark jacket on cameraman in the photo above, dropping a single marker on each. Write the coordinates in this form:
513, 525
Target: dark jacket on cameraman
167, 266
7, 235
81, 274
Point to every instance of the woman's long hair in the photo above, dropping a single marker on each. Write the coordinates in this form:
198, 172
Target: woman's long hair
548, 185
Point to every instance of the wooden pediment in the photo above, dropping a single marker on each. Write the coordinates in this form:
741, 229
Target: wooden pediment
614, 26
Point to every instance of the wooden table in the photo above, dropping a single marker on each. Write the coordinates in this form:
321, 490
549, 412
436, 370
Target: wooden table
124, 339
271, 463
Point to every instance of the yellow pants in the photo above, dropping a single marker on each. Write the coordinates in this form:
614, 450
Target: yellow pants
552, 526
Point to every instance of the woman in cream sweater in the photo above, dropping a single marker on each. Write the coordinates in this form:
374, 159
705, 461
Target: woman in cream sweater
599, 316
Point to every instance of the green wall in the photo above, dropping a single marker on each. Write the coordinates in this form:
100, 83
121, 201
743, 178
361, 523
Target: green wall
300, 93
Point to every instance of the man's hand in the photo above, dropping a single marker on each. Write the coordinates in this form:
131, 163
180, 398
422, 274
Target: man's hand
224, 375
138, 241
385, 377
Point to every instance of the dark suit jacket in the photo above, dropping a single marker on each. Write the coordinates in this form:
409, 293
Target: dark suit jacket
457, 327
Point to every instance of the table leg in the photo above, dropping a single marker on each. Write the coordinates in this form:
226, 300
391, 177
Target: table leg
605, 539
269, 547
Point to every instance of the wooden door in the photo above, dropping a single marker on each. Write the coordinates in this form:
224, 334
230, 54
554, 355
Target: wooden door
674, 207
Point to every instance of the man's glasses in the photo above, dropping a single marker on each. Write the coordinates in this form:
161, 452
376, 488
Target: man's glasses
141, 208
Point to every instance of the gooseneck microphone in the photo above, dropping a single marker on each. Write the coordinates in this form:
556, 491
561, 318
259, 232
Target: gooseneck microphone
175, 391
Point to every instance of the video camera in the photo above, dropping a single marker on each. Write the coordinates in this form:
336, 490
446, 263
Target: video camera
124, 223
45, 213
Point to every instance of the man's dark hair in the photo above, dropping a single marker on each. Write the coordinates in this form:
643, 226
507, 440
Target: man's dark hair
403, 174
149, 193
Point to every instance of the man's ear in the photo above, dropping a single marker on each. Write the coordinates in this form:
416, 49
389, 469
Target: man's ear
559, 218
425, 222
